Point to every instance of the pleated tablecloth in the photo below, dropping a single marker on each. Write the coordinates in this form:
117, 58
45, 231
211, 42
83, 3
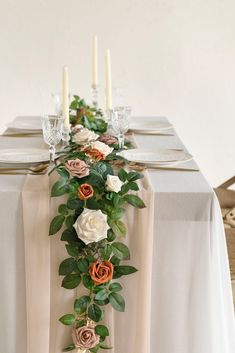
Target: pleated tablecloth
180, 300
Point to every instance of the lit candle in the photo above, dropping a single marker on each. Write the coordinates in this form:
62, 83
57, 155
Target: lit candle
65, 96
108, 82
94, 62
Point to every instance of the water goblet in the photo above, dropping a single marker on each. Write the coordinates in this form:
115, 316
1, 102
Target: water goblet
120, 123
52, 133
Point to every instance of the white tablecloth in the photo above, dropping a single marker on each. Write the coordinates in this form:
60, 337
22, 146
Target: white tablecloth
179, 302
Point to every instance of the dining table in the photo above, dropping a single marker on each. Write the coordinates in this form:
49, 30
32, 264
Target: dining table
179, 301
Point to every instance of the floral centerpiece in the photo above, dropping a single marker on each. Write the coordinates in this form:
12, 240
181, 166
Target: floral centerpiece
96, 190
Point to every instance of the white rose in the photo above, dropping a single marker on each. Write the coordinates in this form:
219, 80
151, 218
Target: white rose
102, 147
113, 183
84, 136
91, 226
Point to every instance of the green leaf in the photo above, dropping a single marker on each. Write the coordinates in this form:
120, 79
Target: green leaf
63, 209
71, 347
105, 346
118, 227
56, 224
102, 294
92, 204
95, 313
106, 252
70, 220
64, 173
83, 265
117, 301
124, 189
121, 251
115, 287
132, 176
94, 349
81, 304
133, 186
110, 235
73, 249
87, 282
59, 188
115, 261
67, 266
75, 203
67, 319
123, 271
122, 174
71, 281
102, 330
101, 302
135, 201
69, 235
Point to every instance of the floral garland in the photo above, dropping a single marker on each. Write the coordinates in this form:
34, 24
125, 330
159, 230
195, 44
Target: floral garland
97, 188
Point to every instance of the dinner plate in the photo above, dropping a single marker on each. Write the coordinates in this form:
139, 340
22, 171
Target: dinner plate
24, 123
24, 155
149, 126
156, 156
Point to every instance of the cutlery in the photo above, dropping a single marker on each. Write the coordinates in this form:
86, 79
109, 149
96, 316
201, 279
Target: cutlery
142, 166
36, 169
21, 135
22, 173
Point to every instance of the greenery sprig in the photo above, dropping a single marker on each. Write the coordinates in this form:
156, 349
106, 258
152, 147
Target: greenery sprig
85, 181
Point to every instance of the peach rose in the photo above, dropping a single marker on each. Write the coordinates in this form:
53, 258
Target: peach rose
85, 191
77, 168
108, 139
85, 337
101, 272
95, 154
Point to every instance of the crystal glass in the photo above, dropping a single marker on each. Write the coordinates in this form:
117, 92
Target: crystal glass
52, 133
120, 122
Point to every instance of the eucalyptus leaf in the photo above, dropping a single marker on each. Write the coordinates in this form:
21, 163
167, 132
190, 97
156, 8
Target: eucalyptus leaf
102, 294
95, 313
121, 251
81, 304
59, 188
56, 224
83, 265
67, 266
135, 201
102, 330
117, 301
71, 281
115, 287
87, 282
67, 319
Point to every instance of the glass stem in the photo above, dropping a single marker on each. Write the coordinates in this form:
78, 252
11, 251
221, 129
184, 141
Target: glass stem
52, 154
121, 141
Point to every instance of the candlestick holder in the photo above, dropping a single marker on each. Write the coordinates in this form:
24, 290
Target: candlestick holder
95, 95
66, 130
108, 118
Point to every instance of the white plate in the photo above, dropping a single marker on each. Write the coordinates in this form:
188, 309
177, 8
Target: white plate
157, 156
30, 123
148, 126
24, 155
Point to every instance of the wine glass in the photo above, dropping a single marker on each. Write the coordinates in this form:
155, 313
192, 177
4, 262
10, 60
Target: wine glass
52, 132
120, 123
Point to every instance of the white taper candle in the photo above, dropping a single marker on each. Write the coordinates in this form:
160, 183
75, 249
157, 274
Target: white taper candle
95, 62
108, 81
65, 96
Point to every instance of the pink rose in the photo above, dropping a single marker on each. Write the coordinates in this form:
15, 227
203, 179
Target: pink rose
108, 139
85, 337
77, 168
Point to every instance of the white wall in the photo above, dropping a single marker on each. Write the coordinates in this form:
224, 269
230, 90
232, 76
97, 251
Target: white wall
174, 57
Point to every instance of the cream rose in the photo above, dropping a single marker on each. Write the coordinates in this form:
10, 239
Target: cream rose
85, 337
102, 147
91, 226
84, 136
113, 183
